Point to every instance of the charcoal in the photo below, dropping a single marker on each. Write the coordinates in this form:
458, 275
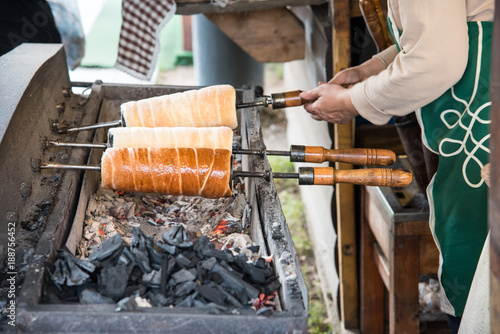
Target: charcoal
85, 265
183, 275
112, 281
177, 237
257, 275
265, 311
219, 255
107, 248
89, 296
184, 288
138, 248
183, 261
231, 269
272, 286
231, 300
166, 247
260, 263
68, 270
208, 264
187, 301
198, 303
212, 293
77, 276
57, 275
135, 274
234, 282
155, 257
254, 248
152, 279
126, 304
201, 243
158, 299
128, 255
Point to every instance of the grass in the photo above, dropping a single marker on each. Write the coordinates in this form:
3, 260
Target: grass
293, 209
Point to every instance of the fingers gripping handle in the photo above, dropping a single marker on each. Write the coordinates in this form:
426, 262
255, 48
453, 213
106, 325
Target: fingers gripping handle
381, 177
287, 99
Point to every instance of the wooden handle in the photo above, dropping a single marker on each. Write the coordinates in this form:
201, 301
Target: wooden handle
381, 177
287, 99
355, 156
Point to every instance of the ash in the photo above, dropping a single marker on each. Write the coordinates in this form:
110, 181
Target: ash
224, 220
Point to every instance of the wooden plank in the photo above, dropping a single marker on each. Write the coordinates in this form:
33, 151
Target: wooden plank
273, 35
494, 195
379, 223
382, 265
344, 193
403, 292
371, 285
428, 255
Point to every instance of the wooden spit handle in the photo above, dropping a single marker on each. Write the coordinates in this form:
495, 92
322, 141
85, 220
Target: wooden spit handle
381, 177
355, 156
287, 99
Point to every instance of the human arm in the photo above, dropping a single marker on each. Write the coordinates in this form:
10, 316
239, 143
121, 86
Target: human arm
433, 56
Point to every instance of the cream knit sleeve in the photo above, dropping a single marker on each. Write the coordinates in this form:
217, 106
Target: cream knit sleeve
433, 57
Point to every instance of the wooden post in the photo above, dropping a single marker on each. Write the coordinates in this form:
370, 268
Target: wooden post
344, 193
494, 199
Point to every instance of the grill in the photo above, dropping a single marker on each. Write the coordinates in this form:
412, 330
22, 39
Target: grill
48, 207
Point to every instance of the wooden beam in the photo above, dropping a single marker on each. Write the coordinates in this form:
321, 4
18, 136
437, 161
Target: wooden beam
273, 35
494, 197
344, 139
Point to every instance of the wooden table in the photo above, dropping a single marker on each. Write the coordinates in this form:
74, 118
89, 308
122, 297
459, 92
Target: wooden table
396, 247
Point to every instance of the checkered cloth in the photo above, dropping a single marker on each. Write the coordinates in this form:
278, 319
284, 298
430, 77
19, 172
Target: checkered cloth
139, 37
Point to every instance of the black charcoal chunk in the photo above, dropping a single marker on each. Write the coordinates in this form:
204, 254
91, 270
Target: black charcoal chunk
183, 261
108, 247
184, 288
265, 311
219, 255
152, 278
138, 248
183, 275
208, 264
112, 281
160, 300
272, 286
177, 237
188, 301
166, 248
201, 243
212, 293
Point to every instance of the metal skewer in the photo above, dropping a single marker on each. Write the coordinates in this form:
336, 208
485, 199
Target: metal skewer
276, 101
381, 177
297, 153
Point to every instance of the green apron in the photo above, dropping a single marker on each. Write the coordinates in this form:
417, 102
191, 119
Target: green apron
456, 126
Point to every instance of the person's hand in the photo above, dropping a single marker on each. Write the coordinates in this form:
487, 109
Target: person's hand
329, 102
353, 75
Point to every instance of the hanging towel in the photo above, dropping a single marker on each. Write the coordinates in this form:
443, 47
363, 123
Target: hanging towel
139, 46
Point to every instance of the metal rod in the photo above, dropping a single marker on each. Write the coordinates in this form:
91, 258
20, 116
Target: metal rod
93, 126
83, 145
286, 175
282, 153
247, 151
251, 104
45, 165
